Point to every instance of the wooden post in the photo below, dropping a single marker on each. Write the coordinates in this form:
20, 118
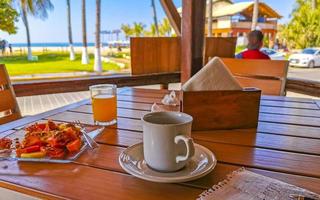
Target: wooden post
172, 14
192, 38
255, 15
209, 8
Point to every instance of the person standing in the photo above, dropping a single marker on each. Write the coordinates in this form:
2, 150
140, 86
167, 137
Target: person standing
10, 49
1, 46
4, 45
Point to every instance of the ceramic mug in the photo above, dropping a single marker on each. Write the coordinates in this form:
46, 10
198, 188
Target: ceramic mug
167, 144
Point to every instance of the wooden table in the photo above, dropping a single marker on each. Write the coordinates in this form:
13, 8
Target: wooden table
286, 146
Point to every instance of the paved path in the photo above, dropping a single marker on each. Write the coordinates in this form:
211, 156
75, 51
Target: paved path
305, 73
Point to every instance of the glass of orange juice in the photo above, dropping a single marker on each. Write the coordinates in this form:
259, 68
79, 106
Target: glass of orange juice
104, 104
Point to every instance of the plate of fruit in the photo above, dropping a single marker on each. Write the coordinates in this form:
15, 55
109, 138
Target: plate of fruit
46, 142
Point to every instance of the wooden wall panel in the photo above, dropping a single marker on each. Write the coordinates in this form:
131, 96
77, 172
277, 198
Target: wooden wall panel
224, 47
155, 55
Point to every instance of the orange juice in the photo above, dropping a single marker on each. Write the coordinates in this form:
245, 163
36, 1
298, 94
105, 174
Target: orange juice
104, 107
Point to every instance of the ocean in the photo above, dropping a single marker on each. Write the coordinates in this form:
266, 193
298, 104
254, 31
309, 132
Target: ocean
65, 44
58, 44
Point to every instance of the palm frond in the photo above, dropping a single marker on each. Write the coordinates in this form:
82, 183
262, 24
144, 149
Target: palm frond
37, 8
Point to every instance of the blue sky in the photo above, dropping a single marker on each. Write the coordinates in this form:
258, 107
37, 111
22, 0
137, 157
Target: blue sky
114, 13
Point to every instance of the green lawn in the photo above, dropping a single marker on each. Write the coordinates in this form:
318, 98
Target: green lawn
51, 62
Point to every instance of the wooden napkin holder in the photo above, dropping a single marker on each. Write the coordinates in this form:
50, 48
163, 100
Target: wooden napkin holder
217, 110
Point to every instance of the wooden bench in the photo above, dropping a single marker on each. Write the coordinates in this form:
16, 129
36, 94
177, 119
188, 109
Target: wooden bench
9, 109
268, 75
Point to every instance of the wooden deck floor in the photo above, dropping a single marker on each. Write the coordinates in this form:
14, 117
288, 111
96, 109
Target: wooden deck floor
32, 105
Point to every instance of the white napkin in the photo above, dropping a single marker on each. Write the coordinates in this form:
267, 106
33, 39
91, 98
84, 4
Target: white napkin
246, 185
169, 101
214, 76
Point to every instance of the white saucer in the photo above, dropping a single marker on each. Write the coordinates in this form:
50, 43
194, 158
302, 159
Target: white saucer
202, 163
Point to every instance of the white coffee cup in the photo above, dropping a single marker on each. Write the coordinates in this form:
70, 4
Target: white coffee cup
167, 144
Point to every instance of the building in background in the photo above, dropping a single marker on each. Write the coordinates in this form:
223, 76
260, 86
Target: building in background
235, 19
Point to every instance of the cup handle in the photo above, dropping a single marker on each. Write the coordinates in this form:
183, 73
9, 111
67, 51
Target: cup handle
190, 147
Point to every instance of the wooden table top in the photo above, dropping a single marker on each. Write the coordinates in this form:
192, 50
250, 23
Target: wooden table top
286, 146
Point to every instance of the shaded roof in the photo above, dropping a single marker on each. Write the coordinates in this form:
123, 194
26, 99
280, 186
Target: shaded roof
245, 8
216, 1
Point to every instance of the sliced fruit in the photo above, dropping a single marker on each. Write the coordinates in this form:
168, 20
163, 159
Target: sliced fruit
55, 152
39, 154
74, 145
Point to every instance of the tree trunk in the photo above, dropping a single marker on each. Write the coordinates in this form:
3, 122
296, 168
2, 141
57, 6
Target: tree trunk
72, 54
97, 53
85, 57
210, 19
255, 15
314, 4
155, 18
26, 24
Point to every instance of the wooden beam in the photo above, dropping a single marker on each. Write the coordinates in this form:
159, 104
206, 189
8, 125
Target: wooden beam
192, 39
172, 14
29, 88
301, 86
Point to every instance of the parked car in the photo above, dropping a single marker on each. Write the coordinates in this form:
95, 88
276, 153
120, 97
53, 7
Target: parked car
309, 57
273, 54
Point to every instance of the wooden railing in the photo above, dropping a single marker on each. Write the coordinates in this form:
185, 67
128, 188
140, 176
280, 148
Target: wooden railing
247, 25
29, 88
303, 86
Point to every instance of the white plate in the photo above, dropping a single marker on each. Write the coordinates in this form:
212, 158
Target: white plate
202, 163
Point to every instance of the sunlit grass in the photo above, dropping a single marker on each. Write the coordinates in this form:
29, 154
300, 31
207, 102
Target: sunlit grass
51, 62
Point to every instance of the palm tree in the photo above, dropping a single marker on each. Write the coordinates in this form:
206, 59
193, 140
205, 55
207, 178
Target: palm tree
153, 30
210, 19
255, 15
97, 53
85, 57
36, 8
72, 54
138, 29
127, 30
155, 18
314, 4
165, 28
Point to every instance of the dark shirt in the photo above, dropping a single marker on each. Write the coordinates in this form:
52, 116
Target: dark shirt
252, 54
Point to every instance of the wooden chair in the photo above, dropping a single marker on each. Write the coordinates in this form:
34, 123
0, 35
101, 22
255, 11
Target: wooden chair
223, 47
9, 109
268, 75
151, 55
